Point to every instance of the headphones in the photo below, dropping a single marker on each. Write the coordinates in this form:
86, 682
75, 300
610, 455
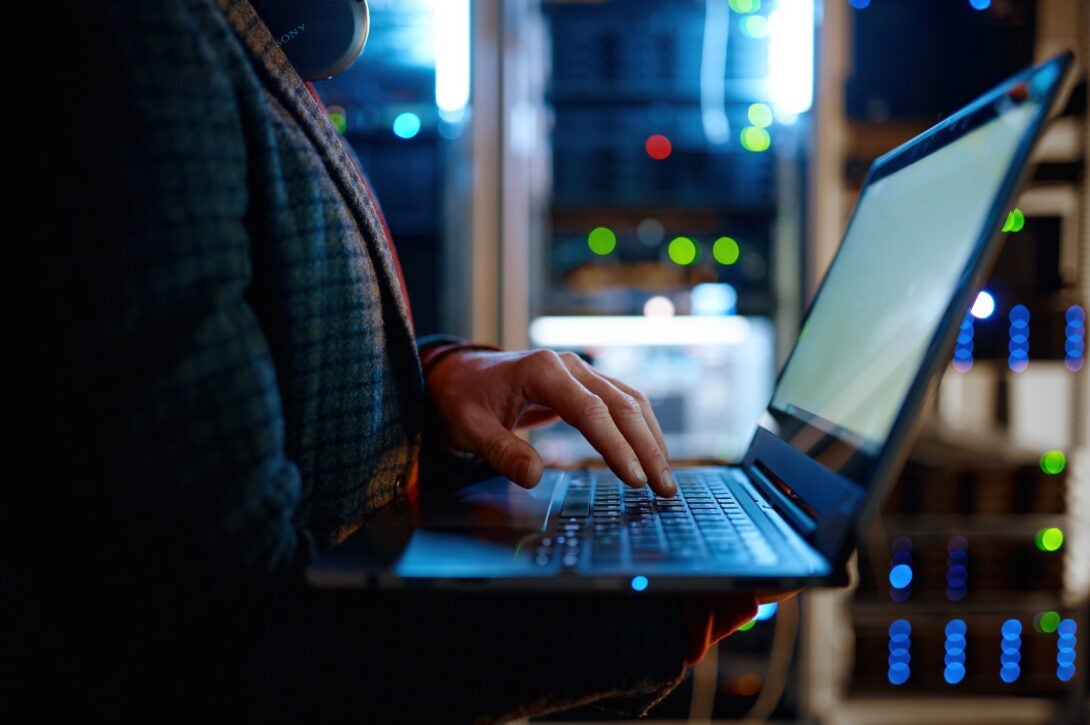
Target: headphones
320, 37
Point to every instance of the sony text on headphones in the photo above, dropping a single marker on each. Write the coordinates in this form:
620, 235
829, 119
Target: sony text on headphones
320, 37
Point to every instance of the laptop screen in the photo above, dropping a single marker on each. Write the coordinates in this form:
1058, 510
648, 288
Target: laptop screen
916, 233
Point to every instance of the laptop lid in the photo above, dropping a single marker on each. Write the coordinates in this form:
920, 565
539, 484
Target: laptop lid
922, 238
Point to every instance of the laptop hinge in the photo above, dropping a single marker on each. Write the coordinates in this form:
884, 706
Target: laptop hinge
779, 500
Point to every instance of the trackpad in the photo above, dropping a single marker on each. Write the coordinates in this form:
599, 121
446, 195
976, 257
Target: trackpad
492, 503
485, 529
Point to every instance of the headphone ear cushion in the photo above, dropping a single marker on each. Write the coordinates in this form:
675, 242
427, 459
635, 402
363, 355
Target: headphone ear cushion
320, 37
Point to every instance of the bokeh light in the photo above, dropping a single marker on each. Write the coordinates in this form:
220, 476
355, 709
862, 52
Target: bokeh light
984, 305
1053, 462
1074, 338
406, 125
963, 349
860, 4
338, 118
658, 306
1018, 359
900, 569
713, 298
639, 583
650, 232
980, 4
1065, 650
900, 651
1046, 622
726, 251
745, 6
755, 139
602, 240
957, 568
760, 115
1049, 539
1011, 651
1015, 221
955, 643
682, 250
900, 576
755, 26
658, 147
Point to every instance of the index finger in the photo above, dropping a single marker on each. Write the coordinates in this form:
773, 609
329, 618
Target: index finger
550, 383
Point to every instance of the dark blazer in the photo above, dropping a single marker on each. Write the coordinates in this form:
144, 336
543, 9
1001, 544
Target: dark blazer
212, 375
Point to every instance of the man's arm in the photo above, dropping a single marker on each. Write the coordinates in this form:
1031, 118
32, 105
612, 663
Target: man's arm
148, 542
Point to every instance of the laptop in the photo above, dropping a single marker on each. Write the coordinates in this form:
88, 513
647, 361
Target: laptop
842, 417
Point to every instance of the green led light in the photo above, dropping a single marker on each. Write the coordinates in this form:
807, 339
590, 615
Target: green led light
745, 6
755, 26
602, 240
751, 623
755, 139
726, 251
1053, 462
339, 122
1050, 539
1046, 622
760, 115
682, 250
1015, 221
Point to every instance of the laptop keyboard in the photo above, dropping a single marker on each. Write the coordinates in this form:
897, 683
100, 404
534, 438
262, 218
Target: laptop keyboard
607, 523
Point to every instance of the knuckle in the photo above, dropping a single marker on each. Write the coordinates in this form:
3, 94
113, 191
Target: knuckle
630, 406
498, 450
641, 399
594, 408
570, 358
542, 360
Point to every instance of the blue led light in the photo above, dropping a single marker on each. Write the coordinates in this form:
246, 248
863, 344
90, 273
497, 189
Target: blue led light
860, 4
407, 125
957, 568
980, 4
963, 350
1011, 651
766, 611
900, 657
1065, 650
639, 583
900, 576
1018, 347
900, 569
1075, 342
954, 672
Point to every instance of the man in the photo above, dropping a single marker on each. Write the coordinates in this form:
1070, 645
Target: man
214, 376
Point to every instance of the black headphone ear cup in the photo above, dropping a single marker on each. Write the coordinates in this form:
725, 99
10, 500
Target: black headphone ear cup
320, 37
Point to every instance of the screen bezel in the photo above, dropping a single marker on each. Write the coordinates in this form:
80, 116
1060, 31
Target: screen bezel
851, 490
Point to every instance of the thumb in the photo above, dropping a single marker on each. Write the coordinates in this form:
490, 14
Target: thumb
506, 452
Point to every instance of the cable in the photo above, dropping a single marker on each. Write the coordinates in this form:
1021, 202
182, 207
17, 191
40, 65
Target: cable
780, 656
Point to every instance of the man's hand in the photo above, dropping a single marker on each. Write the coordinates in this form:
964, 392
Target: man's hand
481, 397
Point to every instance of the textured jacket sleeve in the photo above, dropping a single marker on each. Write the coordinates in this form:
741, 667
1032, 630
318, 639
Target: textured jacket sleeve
150, 550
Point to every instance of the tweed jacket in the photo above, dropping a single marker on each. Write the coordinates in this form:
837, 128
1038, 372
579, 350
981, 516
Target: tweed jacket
212, 376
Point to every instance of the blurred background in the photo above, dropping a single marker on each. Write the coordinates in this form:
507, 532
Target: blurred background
659, 186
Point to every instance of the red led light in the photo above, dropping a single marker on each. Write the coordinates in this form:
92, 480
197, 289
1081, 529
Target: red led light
658, 147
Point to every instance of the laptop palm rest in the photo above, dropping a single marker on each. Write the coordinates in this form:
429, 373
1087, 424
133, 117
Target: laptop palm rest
483, 529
